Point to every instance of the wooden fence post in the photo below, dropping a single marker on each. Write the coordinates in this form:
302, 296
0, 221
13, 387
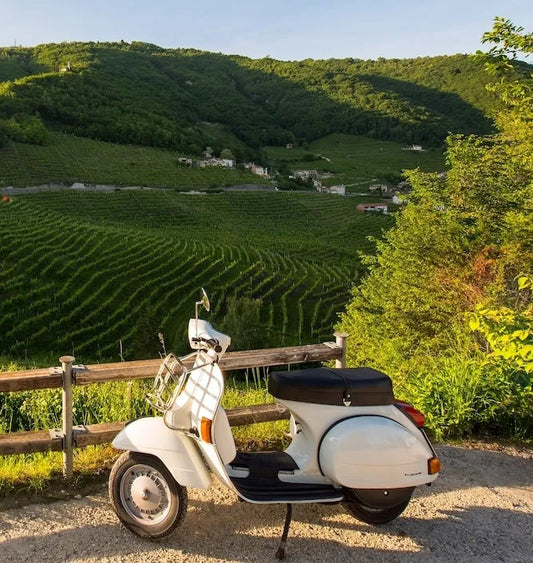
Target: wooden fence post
341, 338
68, 453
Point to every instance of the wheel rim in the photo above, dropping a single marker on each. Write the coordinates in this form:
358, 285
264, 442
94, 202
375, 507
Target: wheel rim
145, 494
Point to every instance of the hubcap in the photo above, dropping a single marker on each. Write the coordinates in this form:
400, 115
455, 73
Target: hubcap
145, 494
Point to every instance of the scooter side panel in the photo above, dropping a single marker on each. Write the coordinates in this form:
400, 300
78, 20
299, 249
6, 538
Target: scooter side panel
223, 437
372, 452
176, 451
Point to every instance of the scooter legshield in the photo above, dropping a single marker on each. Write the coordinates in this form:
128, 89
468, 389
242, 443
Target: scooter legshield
374, 452
176, 451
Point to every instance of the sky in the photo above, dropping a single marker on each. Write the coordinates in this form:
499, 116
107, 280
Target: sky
281, 29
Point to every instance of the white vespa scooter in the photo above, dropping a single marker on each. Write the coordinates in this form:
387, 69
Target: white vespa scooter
351, 443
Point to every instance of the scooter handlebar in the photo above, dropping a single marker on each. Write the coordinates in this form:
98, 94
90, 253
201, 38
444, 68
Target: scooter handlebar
213, 343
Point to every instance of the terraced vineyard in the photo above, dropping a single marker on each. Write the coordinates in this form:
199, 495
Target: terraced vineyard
68, 159
81, 272
357, 161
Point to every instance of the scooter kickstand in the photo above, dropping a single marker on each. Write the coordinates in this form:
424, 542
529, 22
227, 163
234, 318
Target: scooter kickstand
280, 554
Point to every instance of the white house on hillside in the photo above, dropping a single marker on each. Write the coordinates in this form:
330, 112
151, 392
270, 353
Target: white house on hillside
259, 170
305, 174
373, 207
340, 189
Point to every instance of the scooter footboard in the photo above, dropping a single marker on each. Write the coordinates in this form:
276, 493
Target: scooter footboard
374, 452
176, 451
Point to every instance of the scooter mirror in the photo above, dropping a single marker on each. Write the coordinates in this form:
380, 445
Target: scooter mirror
205, 300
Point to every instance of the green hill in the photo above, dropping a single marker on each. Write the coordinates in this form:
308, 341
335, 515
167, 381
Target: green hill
186, 99
82, 272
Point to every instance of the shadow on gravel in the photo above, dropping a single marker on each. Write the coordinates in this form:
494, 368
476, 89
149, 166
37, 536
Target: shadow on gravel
230, 533
445, 522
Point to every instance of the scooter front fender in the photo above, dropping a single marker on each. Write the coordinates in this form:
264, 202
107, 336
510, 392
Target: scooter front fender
176, 451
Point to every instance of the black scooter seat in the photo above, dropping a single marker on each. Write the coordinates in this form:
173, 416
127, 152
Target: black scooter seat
325, 386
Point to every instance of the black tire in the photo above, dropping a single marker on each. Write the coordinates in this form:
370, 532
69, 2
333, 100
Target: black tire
155, 515
364, 508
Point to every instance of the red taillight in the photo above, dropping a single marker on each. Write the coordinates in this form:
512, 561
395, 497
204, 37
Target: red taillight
416, 415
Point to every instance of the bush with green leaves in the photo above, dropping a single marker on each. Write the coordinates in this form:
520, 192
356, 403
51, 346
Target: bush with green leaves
465, 396
25, 129
508, 331
455, 255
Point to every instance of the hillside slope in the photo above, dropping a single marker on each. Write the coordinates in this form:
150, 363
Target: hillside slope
82, 272
67, 159
142, 94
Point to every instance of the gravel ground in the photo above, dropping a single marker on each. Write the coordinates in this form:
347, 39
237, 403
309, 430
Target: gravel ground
480, 509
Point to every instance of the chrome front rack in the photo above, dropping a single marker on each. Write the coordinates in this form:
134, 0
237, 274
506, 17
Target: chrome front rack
168, 383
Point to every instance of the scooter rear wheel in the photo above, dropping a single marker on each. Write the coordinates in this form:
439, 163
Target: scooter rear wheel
145, 496
363, 508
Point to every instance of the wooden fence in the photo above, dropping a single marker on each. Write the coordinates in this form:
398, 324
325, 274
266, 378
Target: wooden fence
69, 374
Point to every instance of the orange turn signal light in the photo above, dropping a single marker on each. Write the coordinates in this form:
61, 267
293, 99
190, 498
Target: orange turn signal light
434, 465
205, 430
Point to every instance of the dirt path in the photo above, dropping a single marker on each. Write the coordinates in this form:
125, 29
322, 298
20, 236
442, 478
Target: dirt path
480, 509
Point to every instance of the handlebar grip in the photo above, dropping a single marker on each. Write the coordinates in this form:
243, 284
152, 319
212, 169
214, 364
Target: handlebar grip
211, 342
214, 344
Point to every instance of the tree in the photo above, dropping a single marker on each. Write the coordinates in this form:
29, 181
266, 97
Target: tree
145, 341
226, 153
243, 322
461, 241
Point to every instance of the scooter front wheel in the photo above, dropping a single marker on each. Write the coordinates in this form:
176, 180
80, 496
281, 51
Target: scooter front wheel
377, 506
145, 496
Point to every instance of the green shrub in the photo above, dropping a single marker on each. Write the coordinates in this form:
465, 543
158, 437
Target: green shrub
463, 396
25, 129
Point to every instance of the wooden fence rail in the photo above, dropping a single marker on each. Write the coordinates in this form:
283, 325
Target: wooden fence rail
69, 374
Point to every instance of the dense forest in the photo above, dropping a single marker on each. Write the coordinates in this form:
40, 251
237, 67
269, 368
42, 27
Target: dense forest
139, 93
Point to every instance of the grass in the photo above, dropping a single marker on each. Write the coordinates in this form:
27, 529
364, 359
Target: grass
40, 473
253, 391
356, 161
